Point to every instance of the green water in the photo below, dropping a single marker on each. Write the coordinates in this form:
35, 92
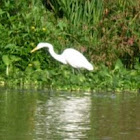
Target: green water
48, 115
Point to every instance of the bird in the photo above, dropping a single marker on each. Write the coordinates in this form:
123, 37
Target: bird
69, 56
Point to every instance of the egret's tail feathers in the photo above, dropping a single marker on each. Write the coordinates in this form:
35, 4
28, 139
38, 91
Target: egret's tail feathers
90, 67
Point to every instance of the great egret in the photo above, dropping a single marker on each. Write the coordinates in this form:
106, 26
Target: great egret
69, 56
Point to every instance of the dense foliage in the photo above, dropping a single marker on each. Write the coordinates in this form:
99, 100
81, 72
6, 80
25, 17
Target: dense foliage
106, 32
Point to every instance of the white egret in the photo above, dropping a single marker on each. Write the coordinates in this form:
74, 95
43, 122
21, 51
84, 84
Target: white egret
69, 56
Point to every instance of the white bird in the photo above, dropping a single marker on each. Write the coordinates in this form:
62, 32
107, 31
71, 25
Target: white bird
69, 56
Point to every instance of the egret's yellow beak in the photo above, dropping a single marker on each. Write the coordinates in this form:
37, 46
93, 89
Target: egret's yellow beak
35, 49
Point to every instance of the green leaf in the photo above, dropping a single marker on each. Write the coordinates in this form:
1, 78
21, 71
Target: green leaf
6, 60
1, 12
137, 66
118, 65
14, 58
36, 64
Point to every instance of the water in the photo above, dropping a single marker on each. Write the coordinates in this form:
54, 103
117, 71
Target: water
47, 115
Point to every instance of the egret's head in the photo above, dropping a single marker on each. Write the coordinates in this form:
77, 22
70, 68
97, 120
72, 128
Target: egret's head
42, 45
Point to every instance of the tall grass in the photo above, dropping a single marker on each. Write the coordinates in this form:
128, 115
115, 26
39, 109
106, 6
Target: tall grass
81, 12
82, 15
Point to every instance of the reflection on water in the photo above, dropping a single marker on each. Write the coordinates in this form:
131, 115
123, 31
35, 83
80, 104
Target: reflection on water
64, 118
49, 115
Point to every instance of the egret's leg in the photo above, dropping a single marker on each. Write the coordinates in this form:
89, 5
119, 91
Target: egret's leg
73, 70
79, 71
76, 71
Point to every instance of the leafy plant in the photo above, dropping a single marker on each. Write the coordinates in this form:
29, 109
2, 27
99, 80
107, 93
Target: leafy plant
8, 61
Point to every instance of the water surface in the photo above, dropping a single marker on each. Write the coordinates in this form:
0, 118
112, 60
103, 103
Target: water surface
49, 115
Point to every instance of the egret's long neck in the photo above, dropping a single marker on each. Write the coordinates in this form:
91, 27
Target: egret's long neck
58, 57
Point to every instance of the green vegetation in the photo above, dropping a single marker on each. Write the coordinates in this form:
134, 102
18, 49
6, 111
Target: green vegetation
106, 32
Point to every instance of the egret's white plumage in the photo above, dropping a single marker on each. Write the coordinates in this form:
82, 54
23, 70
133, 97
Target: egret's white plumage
69, 56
